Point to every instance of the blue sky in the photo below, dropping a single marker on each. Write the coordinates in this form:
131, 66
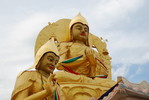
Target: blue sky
123, 22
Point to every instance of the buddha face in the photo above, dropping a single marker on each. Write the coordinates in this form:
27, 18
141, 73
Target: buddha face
48, 62
80, 32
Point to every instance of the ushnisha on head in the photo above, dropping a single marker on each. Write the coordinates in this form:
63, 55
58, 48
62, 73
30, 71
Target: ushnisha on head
79, 29
47, 57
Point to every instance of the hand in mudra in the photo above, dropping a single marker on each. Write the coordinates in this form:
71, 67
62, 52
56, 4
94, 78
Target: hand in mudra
90, 56
50, 86
89, 52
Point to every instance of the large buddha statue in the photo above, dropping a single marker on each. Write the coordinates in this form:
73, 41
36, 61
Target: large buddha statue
78, 45
80, 62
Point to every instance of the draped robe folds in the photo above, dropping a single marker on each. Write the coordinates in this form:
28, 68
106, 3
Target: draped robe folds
69, 50
31, 80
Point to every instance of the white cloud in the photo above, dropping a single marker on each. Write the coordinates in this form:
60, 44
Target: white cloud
108, 12
121, 70
15, 53
129, 48
30, 26
126, 47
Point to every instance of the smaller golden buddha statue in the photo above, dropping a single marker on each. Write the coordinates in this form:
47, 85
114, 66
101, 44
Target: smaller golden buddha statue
38, 83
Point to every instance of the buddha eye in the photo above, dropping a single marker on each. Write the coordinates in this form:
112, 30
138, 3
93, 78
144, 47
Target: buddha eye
86, 30
50, 59
79, 28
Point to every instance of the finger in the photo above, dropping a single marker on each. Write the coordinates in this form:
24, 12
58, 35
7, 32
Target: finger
52, 75
50, 78
55, 77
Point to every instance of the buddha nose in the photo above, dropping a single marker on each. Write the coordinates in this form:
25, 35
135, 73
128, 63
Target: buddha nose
53, 63
83, 31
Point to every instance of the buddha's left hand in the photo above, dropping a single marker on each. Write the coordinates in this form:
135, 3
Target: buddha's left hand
50, 86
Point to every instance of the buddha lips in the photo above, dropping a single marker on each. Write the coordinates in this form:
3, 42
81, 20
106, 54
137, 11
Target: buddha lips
51, 67
83, 34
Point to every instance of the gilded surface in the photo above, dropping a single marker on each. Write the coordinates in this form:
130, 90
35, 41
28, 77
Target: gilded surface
37, 82
87, 73
60, 30
93, 63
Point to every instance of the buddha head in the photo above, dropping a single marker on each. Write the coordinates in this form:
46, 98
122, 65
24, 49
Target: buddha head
46, 57
79, 29
48, 62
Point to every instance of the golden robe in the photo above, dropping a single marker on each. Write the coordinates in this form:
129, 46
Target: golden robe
32, 80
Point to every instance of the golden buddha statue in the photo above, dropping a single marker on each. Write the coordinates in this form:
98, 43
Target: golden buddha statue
82, 62
77, 46
38, 83
86, 73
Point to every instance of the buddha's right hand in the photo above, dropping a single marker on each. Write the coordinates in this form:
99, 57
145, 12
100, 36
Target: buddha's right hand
90, 56
50, 86
89, 52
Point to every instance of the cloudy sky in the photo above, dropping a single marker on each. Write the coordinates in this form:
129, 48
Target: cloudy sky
124, 23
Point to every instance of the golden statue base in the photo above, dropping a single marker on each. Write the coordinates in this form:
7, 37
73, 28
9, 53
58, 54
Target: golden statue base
82, 91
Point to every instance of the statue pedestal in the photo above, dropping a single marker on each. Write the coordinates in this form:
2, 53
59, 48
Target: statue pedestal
81, 91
